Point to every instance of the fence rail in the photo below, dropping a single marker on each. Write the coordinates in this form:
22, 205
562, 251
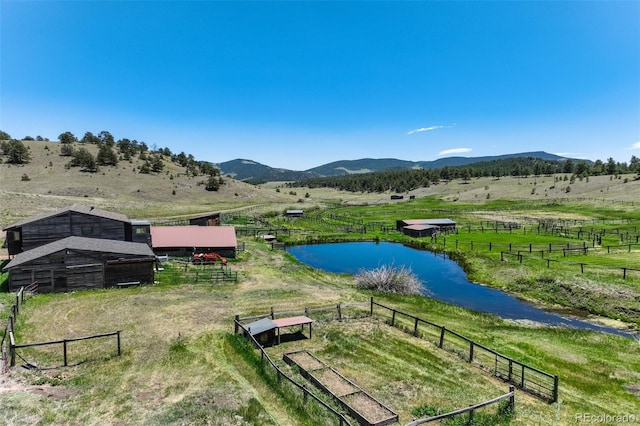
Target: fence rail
530, 379
63, 342
507, 396
21, 298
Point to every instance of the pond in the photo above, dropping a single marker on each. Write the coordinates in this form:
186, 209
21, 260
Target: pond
442, 278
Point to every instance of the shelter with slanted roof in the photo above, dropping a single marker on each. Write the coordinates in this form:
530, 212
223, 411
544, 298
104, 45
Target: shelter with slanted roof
185, 240
79, 263
267, 330
424, 227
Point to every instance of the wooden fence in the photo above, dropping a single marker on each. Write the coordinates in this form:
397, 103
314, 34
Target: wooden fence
64, 342
306, 394
531, 380
582, 265
510, 396
21, 298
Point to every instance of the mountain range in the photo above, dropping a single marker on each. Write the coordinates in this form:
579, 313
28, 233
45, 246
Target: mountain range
252, 171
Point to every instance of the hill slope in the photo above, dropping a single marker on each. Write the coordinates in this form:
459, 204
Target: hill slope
256, 172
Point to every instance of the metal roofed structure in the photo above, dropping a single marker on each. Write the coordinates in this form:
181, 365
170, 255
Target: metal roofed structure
184, 240
266, 329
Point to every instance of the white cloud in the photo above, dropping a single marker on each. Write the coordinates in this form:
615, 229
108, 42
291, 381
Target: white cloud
428, 129
454, 151
635, 145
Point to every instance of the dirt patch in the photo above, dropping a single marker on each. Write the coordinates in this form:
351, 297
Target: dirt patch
369, 408
306, 361
337, 384
9, 384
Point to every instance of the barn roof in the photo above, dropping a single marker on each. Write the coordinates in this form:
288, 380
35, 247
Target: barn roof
436, 222
77, 208
81, 244
193, 236
420, 227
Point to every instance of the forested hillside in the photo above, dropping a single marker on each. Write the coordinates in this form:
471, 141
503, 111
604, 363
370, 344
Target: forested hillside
407, 180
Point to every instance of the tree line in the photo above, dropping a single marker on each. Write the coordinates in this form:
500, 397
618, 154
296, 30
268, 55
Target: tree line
409, 179
110, 152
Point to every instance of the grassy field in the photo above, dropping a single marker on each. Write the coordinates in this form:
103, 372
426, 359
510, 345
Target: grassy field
180, 366
180, 363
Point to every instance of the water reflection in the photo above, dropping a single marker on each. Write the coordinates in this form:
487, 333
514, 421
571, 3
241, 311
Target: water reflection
442, 278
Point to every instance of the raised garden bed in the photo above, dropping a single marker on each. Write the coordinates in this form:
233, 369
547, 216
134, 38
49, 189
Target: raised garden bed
360, 405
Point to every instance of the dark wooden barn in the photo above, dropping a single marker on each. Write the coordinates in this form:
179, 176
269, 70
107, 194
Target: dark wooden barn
77, 220
79, 263
442, 224
206, 219
420, 231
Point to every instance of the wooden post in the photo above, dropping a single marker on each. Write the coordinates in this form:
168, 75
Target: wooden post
371, 308
272, 313
522, 378
442, 330
304, 393
555, 388
235, 324
624, 273
510, 369
489, 245
64, 351
12, 349
415, 327
470, 416
339, 314
393, 317
118, 342
470, 350
512, 398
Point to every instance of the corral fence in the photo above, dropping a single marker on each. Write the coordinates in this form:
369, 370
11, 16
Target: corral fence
281, 375
535, 382
9, 347
64, 342
624, 270
529, 379
509, 396
21, 297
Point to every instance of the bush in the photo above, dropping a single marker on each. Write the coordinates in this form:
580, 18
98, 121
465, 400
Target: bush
389, 279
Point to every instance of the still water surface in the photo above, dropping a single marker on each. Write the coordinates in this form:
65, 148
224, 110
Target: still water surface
442, 279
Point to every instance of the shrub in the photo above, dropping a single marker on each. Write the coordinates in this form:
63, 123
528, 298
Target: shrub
389, 279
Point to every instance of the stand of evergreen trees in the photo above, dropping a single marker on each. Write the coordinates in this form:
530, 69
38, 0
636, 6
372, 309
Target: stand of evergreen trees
406, 180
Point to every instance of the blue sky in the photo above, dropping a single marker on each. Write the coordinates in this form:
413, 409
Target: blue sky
299, 84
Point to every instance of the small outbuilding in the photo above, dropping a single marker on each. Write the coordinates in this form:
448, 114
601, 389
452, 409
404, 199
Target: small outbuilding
442, 224
186, 240
420, 231
267, 330
294, 213
80, 263
206, 219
